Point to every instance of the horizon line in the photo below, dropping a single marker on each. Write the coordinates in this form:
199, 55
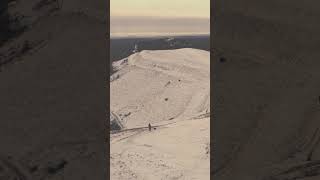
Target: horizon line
156, 35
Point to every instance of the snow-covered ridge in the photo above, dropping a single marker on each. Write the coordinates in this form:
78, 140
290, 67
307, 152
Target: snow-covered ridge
170, 89
161, 85
179, 61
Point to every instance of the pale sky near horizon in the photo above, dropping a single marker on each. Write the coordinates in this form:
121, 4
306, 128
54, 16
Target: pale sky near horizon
159, 17
161, 8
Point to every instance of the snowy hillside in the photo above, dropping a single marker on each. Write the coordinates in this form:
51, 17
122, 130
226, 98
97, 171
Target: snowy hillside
155, 86
171, 90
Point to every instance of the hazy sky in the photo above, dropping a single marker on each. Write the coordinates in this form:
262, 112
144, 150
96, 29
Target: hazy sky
157, 17
169, 8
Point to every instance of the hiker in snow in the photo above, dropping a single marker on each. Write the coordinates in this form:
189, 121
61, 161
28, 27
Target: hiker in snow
149, 127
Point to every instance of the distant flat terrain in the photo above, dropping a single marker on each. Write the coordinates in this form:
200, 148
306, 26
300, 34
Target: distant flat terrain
125, 46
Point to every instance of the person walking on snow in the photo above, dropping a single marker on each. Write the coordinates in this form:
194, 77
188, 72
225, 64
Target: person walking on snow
149, 127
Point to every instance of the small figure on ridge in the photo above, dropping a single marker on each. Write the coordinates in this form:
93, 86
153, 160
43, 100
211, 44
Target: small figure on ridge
149, 127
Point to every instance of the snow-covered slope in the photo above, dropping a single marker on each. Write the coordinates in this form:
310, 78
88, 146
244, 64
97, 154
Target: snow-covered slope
171, 90
176, 151
155, 86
